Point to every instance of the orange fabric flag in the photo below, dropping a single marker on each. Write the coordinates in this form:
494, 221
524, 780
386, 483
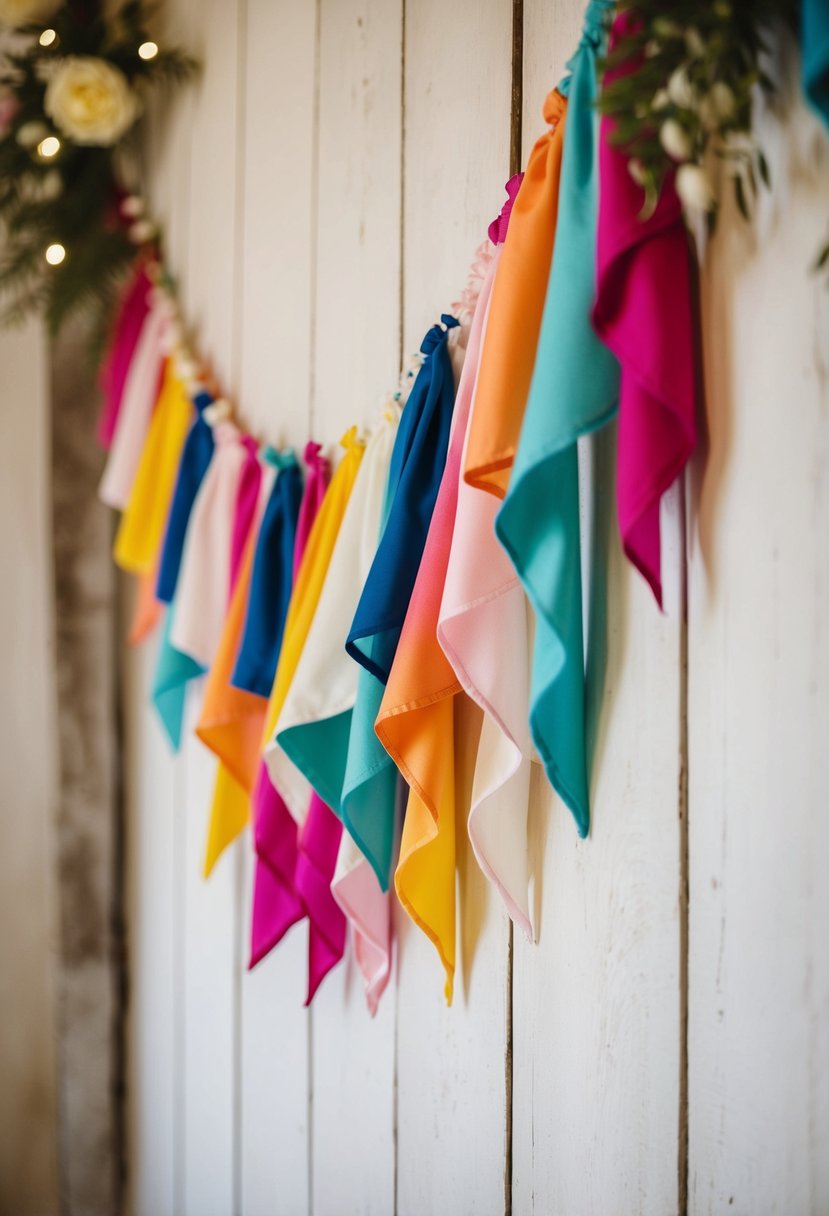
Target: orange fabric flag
147, 611
515, 313
230, 725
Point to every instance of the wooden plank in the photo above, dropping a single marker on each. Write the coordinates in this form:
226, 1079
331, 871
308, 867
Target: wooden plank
597, 1001
356, 361
209, 286
759, 709
28, 779
274, 382
452, 1110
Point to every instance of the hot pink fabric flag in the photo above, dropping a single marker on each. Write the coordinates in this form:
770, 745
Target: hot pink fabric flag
276, 902
646, 313
247, 500
319, 843
132, 313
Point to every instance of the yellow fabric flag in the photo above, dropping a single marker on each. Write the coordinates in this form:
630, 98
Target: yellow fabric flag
141, 529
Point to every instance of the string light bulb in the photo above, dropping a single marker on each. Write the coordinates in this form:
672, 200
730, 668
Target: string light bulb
148, 50
48, 147
55, 254
48, 37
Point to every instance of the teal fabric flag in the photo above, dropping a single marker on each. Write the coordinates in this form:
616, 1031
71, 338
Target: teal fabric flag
815, 52
173, 673
574, 392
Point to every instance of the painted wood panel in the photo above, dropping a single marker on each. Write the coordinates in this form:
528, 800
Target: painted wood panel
451, 1068
274, 321
759, 709
596, 1002
356, 361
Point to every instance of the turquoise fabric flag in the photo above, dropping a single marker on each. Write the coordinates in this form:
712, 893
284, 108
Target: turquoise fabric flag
173, 673
574, 391
815, 52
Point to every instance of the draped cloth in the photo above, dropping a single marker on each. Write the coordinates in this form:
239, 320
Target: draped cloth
370, 797
814, 43
193, 626
517, 305
233, 716
132, 313
276, 904
276, 835
195, 460
574, 391
646, 313
416, 722
141, 529
315, 724
140, 394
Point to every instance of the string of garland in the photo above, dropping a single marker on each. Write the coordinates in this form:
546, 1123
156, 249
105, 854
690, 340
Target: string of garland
73, 82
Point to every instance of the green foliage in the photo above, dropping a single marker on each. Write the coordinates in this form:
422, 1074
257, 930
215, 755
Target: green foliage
680, 88
73, 198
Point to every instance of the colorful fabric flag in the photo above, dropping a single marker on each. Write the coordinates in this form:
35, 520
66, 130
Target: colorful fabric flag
646, 313
814, 45
232, 718
315, 723
574, 392
416, 720
195, 460
275, 825
141, 529
132, 313
193, 626
369, 797
141, 388
247, 502
517, 305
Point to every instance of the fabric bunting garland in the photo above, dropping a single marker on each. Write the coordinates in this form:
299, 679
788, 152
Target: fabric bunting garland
392, 642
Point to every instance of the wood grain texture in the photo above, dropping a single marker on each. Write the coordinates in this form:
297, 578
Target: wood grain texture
452, 1091
597, 1000
356, 361
759, 709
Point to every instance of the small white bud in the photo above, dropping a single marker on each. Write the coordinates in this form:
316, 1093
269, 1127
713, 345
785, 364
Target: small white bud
675, 139
694, 188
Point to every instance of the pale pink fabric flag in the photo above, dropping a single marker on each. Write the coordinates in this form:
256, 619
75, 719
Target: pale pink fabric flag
202, 593
483, 629
141, 389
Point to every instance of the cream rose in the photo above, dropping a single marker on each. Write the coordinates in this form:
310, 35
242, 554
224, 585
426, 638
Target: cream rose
90, 101
27, 12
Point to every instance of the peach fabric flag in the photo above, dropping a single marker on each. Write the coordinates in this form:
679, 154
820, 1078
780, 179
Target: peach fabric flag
141, 530
418, 716
147, 610
517, 305
140, 395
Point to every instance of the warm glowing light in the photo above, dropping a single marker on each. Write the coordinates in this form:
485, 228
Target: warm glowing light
55, 254
48, 147
148, 50
48, 37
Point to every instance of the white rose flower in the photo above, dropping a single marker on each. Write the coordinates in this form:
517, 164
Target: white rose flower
90, 100
693, 185
675, 139
680, 90
27, 12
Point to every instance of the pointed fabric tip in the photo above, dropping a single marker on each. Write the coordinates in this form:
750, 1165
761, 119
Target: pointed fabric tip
173, 672
276, 908
645, 312
147, 612
229, 816
319, 844
368, 911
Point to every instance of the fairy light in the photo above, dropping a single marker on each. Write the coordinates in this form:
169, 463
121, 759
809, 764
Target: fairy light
55, 254
148, 50
48, 147
48, 37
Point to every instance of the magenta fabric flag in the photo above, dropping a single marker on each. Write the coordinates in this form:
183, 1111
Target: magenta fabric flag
319, 845
247, 499
276, 902
132, 313
645, 313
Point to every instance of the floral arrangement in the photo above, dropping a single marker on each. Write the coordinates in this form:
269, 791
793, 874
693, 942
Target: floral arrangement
72, 84
681, 92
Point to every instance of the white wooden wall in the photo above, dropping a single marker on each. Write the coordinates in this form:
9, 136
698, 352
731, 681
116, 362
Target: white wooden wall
324, 187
